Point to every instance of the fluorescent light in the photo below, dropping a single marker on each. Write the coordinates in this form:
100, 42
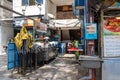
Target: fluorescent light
117, 17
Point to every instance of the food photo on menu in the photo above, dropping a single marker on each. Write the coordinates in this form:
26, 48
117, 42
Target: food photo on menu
112, 25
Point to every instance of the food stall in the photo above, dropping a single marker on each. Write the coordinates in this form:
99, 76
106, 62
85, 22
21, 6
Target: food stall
32, 45
108, 59
111, 42
70, 34
43, 45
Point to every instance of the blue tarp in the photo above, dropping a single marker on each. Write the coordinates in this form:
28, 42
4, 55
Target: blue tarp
12, 56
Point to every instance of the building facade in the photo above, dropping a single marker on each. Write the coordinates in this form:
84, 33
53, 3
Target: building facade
6, 24
53, 11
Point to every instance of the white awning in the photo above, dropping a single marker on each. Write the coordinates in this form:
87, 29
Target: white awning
65, 23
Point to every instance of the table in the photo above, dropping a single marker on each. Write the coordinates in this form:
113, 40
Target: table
74, 51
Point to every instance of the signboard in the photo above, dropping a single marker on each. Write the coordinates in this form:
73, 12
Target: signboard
41, 27
111, 37
91, 31
19, 22
30, 22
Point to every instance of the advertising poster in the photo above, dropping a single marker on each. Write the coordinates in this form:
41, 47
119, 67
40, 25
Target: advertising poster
111, 28
91, 31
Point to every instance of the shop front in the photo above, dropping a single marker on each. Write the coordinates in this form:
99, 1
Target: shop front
32, 45
70, 32
111, 42
105, 58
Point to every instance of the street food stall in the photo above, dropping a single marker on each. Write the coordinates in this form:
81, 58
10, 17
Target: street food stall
70, 35
44, 42
111, 42
32, 45
107, 60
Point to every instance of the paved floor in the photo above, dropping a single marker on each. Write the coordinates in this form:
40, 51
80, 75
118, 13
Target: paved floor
57, 69
4, 73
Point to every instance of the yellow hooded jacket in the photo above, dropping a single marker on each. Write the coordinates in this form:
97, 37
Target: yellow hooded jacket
22, 36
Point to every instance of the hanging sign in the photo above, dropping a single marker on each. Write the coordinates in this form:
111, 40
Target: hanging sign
91, 31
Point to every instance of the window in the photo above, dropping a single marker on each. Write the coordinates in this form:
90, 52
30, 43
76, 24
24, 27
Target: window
31, 2
39, 1
24, 2
28, 2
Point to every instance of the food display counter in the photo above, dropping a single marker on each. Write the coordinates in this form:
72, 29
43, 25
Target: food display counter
45, 50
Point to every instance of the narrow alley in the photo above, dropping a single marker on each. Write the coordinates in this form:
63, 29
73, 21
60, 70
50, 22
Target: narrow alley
57, 69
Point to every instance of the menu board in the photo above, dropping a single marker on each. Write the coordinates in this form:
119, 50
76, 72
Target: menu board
112, 45
111, 37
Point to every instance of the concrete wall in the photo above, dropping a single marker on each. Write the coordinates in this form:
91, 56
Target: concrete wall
0, 40
6, 28
6, 33
1, 10
29, 10
50, 8
4, 13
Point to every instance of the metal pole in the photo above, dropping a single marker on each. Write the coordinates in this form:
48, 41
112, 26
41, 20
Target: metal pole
84, 22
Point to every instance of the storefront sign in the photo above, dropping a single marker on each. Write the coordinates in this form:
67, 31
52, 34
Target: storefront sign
30, 22
19, 22
91, 31
111, 37
41, 27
